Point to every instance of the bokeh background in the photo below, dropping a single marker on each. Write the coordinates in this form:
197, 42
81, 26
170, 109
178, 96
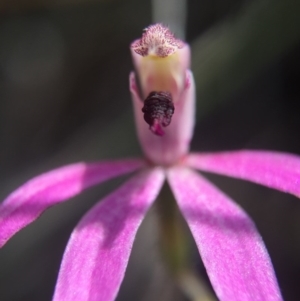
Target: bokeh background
64, 98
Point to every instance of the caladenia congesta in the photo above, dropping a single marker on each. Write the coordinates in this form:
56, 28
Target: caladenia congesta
97, 254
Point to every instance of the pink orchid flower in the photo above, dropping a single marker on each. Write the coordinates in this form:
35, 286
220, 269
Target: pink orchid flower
97, 254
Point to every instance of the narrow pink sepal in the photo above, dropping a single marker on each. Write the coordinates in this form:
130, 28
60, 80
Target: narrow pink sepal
273, 169
170, 148
232, 251
97, 254
26, 203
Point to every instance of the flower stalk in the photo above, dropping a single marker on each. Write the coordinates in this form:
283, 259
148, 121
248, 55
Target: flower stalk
174, 239
175, 242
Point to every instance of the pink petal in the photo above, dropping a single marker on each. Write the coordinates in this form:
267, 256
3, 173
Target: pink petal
272, 169
170, 148
232, 251
26, 203
96, 257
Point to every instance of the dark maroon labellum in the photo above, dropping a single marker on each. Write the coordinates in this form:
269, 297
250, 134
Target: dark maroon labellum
158, 110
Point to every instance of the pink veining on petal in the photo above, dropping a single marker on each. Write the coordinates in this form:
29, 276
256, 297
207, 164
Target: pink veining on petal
273, 169
97, 254
157, 40
26, 203
174, 144
232, 251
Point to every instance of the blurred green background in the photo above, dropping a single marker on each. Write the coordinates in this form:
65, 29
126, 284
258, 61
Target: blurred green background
64, 98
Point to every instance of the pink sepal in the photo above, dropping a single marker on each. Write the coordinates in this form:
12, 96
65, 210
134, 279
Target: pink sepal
232, 251
272, 169
97, 254
26, 203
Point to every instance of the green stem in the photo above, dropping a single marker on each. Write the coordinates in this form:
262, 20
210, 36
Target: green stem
173, 240
176, 242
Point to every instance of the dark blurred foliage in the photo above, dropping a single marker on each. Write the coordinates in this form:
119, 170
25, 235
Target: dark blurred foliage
64, 98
